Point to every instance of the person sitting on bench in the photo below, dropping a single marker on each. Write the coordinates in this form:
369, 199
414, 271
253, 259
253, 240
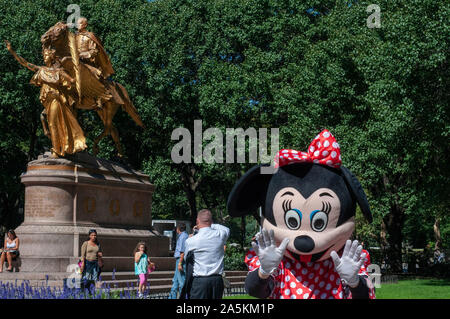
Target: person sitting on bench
10, 250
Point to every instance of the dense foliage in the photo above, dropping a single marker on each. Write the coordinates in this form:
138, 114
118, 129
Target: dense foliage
383, 92
234, 258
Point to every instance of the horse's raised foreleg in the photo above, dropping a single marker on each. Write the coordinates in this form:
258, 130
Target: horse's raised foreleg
97, 140
107, 114
115, 137
102, 114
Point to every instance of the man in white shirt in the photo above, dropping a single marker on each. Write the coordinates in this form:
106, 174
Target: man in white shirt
207, 247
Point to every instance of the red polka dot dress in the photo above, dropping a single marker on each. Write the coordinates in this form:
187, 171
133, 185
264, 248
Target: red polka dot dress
312, 280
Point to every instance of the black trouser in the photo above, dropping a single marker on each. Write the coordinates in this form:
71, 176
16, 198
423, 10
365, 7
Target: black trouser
209, 287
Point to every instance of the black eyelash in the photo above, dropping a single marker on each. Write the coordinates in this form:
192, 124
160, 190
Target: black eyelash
326, 207
287, 205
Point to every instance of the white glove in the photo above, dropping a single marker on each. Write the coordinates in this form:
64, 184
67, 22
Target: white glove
350, 263
268, 253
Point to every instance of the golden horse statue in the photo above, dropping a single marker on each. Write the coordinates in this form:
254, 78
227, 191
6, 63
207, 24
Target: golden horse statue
79, 80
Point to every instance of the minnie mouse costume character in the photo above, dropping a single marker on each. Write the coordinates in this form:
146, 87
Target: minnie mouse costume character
308, 207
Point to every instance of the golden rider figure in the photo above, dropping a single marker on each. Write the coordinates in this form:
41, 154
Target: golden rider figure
63, 128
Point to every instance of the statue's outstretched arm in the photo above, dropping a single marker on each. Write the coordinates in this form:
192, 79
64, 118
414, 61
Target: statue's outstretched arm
21, 60
67, 77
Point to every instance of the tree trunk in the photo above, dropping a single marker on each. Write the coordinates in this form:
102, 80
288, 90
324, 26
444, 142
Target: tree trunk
437, 234
190, 186
242, 232
394, 223
9, 211
383, 240
33, 139
192, 206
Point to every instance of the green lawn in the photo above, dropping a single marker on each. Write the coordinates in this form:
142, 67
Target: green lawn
415, 289
405, 289
240, 297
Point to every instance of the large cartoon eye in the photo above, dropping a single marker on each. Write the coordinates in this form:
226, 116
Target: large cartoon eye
319, 220
293, 219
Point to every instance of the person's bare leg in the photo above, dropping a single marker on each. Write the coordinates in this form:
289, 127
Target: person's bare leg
2, 261
9, 258
145, 286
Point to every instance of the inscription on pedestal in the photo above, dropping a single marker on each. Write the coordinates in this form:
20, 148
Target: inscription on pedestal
138, 208
48, 203
114, 207
89, 205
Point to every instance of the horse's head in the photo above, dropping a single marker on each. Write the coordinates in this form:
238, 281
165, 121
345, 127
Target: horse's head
56, 36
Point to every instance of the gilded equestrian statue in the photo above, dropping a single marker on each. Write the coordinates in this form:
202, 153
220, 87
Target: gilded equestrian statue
77, 73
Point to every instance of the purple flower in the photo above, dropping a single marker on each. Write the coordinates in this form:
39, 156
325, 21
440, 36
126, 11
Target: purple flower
25, 290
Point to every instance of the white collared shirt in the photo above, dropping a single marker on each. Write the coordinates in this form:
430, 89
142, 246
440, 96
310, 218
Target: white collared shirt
208, 249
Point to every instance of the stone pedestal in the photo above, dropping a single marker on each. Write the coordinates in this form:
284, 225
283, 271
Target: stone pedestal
65, 197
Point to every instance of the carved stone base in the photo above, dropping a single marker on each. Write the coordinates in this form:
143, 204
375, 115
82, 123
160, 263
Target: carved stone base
66, 197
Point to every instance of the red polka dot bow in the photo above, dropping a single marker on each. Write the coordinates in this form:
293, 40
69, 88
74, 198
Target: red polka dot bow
323, 150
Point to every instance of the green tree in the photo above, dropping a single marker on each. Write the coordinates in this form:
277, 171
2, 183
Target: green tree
383, 93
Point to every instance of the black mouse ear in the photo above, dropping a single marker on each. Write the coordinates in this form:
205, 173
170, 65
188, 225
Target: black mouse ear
249, 192
358, 192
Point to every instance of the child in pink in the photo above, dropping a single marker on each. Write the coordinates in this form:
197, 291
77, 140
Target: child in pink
142, 266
